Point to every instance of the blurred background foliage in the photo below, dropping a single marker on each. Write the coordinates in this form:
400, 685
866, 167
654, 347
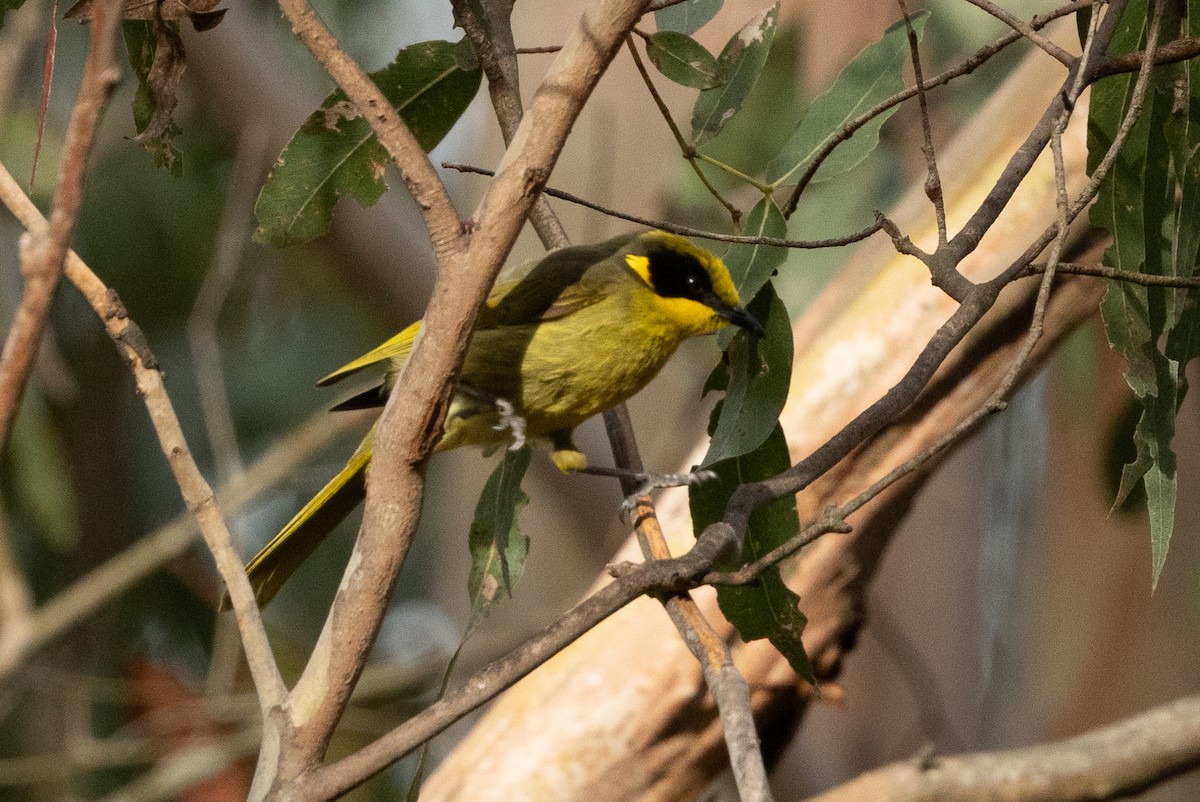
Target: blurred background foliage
1083, 643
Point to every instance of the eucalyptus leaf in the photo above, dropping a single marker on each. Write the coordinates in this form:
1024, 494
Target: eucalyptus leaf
688, 16
759, 373
738, 66
157, 59
1148, 202
767, 608
682, 59
498, 548
751, 266
875, 74
335, 152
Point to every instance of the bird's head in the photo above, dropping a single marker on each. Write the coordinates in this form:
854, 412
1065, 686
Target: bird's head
692, 286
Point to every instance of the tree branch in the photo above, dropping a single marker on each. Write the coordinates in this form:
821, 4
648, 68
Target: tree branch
43, 254
1111, 762
197, 495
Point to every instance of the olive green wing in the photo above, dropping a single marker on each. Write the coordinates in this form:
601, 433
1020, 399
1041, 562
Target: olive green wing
555, 285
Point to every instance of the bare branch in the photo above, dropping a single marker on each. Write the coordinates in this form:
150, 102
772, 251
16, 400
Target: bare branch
412, 419
1026, 30
688, 231
1111, 762
42, 260
197, 495
725, 683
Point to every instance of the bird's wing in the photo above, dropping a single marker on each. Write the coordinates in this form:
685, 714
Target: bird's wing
396, 348
553, 286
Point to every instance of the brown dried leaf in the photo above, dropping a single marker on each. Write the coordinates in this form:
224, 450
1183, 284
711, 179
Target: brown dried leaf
166, 71
204, 14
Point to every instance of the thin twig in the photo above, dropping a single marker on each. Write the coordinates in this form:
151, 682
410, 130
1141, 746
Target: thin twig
197, 495
688, 231
42, 259
492, 38
1116, 761
725, 683
685, 147
1024, 29
1116, 274
233, 233
981, 56
933, 181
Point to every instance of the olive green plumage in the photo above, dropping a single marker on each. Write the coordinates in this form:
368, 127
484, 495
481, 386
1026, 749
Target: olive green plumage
560, 339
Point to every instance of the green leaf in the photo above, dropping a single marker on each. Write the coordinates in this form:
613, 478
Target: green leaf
767, 608
498, 549
1149, 202
37, 484
335, 153
739, 65
751, 266
682, 59
156, 56
759, 376
874, 75
688, 16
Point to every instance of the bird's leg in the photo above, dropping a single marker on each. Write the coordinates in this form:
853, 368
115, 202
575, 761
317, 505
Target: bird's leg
569, 459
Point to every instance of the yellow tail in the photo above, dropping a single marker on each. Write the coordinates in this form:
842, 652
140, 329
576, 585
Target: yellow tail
272, 566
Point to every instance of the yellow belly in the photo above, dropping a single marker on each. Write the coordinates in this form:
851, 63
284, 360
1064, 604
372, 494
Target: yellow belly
556, 374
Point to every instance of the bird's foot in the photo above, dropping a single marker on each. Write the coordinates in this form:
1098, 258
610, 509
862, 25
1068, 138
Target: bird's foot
510, 420
644, 483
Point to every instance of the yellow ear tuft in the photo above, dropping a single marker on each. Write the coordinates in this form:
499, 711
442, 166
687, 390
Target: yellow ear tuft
640, 265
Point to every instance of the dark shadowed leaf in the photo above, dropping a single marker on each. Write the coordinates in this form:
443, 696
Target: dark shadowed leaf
157, 58
767, 609
682, 59
751, 266
335, 153
874, 75
1148, 203
738, 67
498, 548
688, 16
759, 373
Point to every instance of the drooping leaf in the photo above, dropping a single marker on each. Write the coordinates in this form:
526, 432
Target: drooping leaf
751, 266
768, 608
498, 549
738, 66
157, 57
688, 16
682, 59
1148, 203
335, 153
874, 75
759, 373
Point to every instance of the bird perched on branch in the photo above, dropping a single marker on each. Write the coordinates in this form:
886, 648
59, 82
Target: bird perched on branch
560, 339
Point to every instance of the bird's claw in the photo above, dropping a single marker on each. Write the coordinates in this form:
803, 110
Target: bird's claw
652, 481
510, 420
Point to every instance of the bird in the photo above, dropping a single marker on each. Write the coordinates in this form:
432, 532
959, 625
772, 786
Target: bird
558, 340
